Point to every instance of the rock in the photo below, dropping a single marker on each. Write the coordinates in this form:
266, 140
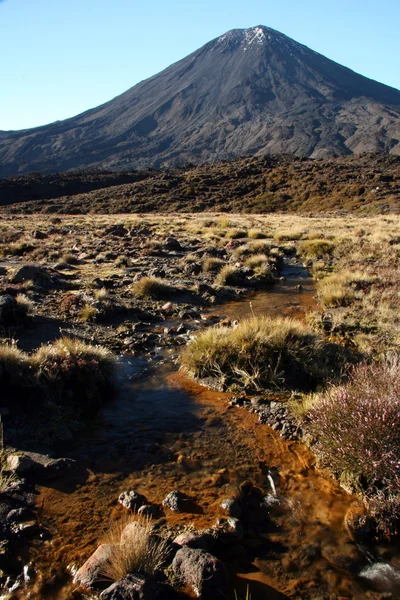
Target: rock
90, 573
8, 309
270, 501
172, 244
39, 235
202, 539
33, 463
229, 529
350, 560
360, 526
34, 273
132, 500
168, 308
232, 507
133, 587
117, 230
176, 501
201, 571
3, 271
149, 510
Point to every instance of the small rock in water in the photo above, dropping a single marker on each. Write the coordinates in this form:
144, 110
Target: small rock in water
90, 572
232, 507
132, 500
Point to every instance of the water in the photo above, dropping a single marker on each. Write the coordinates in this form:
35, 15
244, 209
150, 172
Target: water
164, 432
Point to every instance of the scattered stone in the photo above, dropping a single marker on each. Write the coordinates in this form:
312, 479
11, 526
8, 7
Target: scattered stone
133, 587
132, 500
172, 244
232, 507
33, 463
168, 308
90, 572
8, 309
201, 571
34, 273
149, 510
176, 501
203, 539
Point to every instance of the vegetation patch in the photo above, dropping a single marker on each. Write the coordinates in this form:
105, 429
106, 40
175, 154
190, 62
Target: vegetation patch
357, 432
263, 352
152, 288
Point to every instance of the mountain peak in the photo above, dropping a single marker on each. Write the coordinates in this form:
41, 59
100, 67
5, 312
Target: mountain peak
250, 91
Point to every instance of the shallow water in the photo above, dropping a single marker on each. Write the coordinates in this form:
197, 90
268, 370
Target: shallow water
166, 432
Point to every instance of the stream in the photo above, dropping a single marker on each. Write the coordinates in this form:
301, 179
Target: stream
163, 432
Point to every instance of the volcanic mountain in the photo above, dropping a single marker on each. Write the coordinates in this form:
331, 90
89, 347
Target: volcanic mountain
249, 92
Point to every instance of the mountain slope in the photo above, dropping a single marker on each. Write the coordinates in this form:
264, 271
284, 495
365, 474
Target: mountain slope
251, 91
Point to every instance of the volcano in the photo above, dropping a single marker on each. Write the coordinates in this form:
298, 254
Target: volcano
248, 92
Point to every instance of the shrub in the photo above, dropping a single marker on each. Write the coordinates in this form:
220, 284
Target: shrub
72, 367
135, 550
357, 427
152, 287
315, 248
263, 352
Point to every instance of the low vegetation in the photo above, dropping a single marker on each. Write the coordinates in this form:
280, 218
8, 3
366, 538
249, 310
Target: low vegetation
67, 371
136, 549
263, 353
152, 287
357, 431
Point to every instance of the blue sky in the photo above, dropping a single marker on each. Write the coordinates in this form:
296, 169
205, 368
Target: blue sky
59, 58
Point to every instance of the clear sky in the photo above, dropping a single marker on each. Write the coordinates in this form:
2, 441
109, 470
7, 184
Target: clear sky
59, 57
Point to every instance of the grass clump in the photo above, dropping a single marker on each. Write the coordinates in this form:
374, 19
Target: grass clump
135, 550
262, 352
256, 260
256, 234
357, 427
229, 275
315, 248
152, 288
236, 234
339, 289
212, 265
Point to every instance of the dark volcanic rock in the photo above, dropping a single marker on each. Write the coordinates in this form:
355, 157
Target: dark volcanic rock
90, 572
249, 91
133, 587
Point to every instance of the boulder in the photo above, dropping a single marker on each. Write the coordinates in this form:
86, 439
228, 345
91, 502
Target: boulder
202, 572
172, 244
90, 572
232, 507
133, 587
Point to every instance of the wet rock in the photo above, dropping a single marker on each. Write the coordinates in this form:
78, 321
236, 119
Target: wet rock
132, 500
202, 539
8, 309
360, 526
133, 587
90, 572
229, 529
232, 507
42, 465
201, 571
176, 501
348, 559
270, 501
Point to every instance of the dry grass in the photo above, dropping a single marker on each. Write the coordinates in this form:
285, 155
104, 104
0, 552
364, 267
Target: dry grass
229, 275
152, 287
262, 352
135, 550
318, 248
212, 265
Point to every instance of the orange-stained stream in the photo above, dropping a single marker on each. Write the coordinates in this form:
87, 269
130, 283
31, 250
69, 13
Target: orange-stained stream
166, 432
